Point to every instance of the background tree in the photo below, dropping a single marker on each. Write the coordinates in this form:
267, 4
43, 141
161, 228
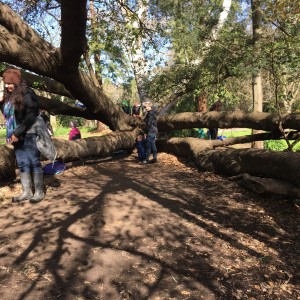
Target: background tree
61, 69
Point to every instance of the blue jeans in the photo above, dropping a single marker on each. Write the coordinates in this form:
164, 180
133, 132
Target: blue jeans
141, 149
27, 154
151, 147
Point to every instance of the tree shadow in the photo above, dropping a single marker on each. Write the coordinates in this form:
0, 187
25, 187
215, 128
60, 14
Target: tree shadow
137, 232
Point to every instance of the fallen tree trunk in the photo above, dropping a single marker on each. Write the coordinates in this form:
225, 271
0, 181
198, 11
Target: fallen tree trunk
213, 119
256, 162
99, 146
266, 185
7, 161
94, 146
278, 165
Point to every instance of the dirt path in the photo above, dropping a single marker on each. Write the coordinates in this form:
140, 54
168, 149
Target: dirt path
114, 229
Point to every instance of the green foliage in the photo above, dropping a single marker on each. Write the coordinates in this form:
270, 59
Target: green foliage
279, 145
225, 73
182, 133
64, 131
65, 120
177, 33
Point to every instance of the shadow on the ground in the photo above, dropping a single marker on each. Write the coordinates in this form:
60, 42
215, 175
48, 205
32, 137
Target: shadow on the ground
119, 230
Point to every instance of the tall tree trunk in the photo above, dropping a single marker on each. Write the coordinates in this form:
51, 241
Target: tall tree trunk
257, 89
137, 53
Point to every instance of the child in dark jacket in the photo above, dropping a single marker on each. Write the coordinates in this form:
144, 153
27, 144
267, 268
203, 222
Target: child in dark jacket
74, 132
141, 147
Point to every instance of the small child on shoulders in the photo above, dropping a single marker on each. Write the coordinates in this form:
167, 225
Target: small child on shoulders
74, 132
141, 147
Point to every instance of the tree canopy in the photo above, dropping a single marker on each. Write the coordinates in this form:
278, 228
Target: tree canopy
173, 51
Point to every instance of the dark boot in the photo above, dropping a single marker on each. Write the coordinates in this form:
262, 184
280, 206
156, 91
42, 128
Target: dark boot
26, 188
39, 194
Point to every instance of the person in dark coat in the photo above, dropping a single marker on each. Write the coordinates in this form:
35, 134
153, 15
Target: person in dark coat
20, 109
213, 132
151, 132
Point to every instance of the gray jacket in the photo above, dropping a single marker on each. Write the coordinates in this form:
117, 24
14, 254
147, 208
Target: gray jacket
43, 140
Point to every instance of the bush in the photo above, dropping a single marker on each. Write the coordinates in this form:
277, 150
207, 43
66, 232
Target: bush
65, 120
279, 145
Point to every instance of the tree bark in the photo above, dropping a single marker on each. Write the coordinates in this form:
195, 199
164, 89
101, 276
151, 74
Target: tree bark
257, 87
73, 150
262, 121
267, 185
25, 50
266, 163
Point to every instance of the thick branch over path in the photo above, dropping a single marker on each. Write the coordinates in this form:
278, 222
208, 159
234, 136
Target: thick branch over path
262, 121
10, 20
56, 107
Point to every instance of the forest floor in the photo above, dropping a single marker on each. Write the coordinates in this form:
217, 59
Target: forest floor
115, 229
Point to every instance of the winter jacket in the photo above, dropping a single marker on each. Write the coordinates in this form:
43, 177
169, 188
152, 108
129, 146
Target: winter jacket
43, 139
26, 116
74, 134
150, 123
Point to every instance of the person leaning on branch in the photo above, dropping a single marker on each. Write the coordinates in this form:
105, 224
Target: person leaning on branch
20, 109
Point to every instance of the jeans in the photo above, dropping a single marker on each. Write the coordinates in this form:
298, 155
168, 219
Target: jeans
141, 149
151, 147
27, 154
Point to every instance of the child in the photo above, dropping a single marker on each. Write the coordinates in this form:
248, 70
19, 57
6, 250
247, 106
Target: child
141, 148
74, 132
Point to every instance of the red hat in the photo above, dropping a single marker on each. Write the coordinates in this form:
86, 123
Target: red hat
11, 76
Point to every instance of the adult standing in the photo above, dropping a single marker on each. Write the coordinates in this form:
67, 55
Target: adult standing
151, 132
20, 109
213, 132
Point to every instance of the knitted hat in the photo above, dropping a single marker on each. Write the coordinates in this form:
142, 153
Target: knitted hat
11, 76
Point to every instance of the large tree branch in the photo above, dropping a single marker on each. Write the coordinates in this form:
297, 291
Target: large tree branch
56, 107
14, 24
262, 121
46, 84
279, 165
73, 150
73, 27
15, 50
